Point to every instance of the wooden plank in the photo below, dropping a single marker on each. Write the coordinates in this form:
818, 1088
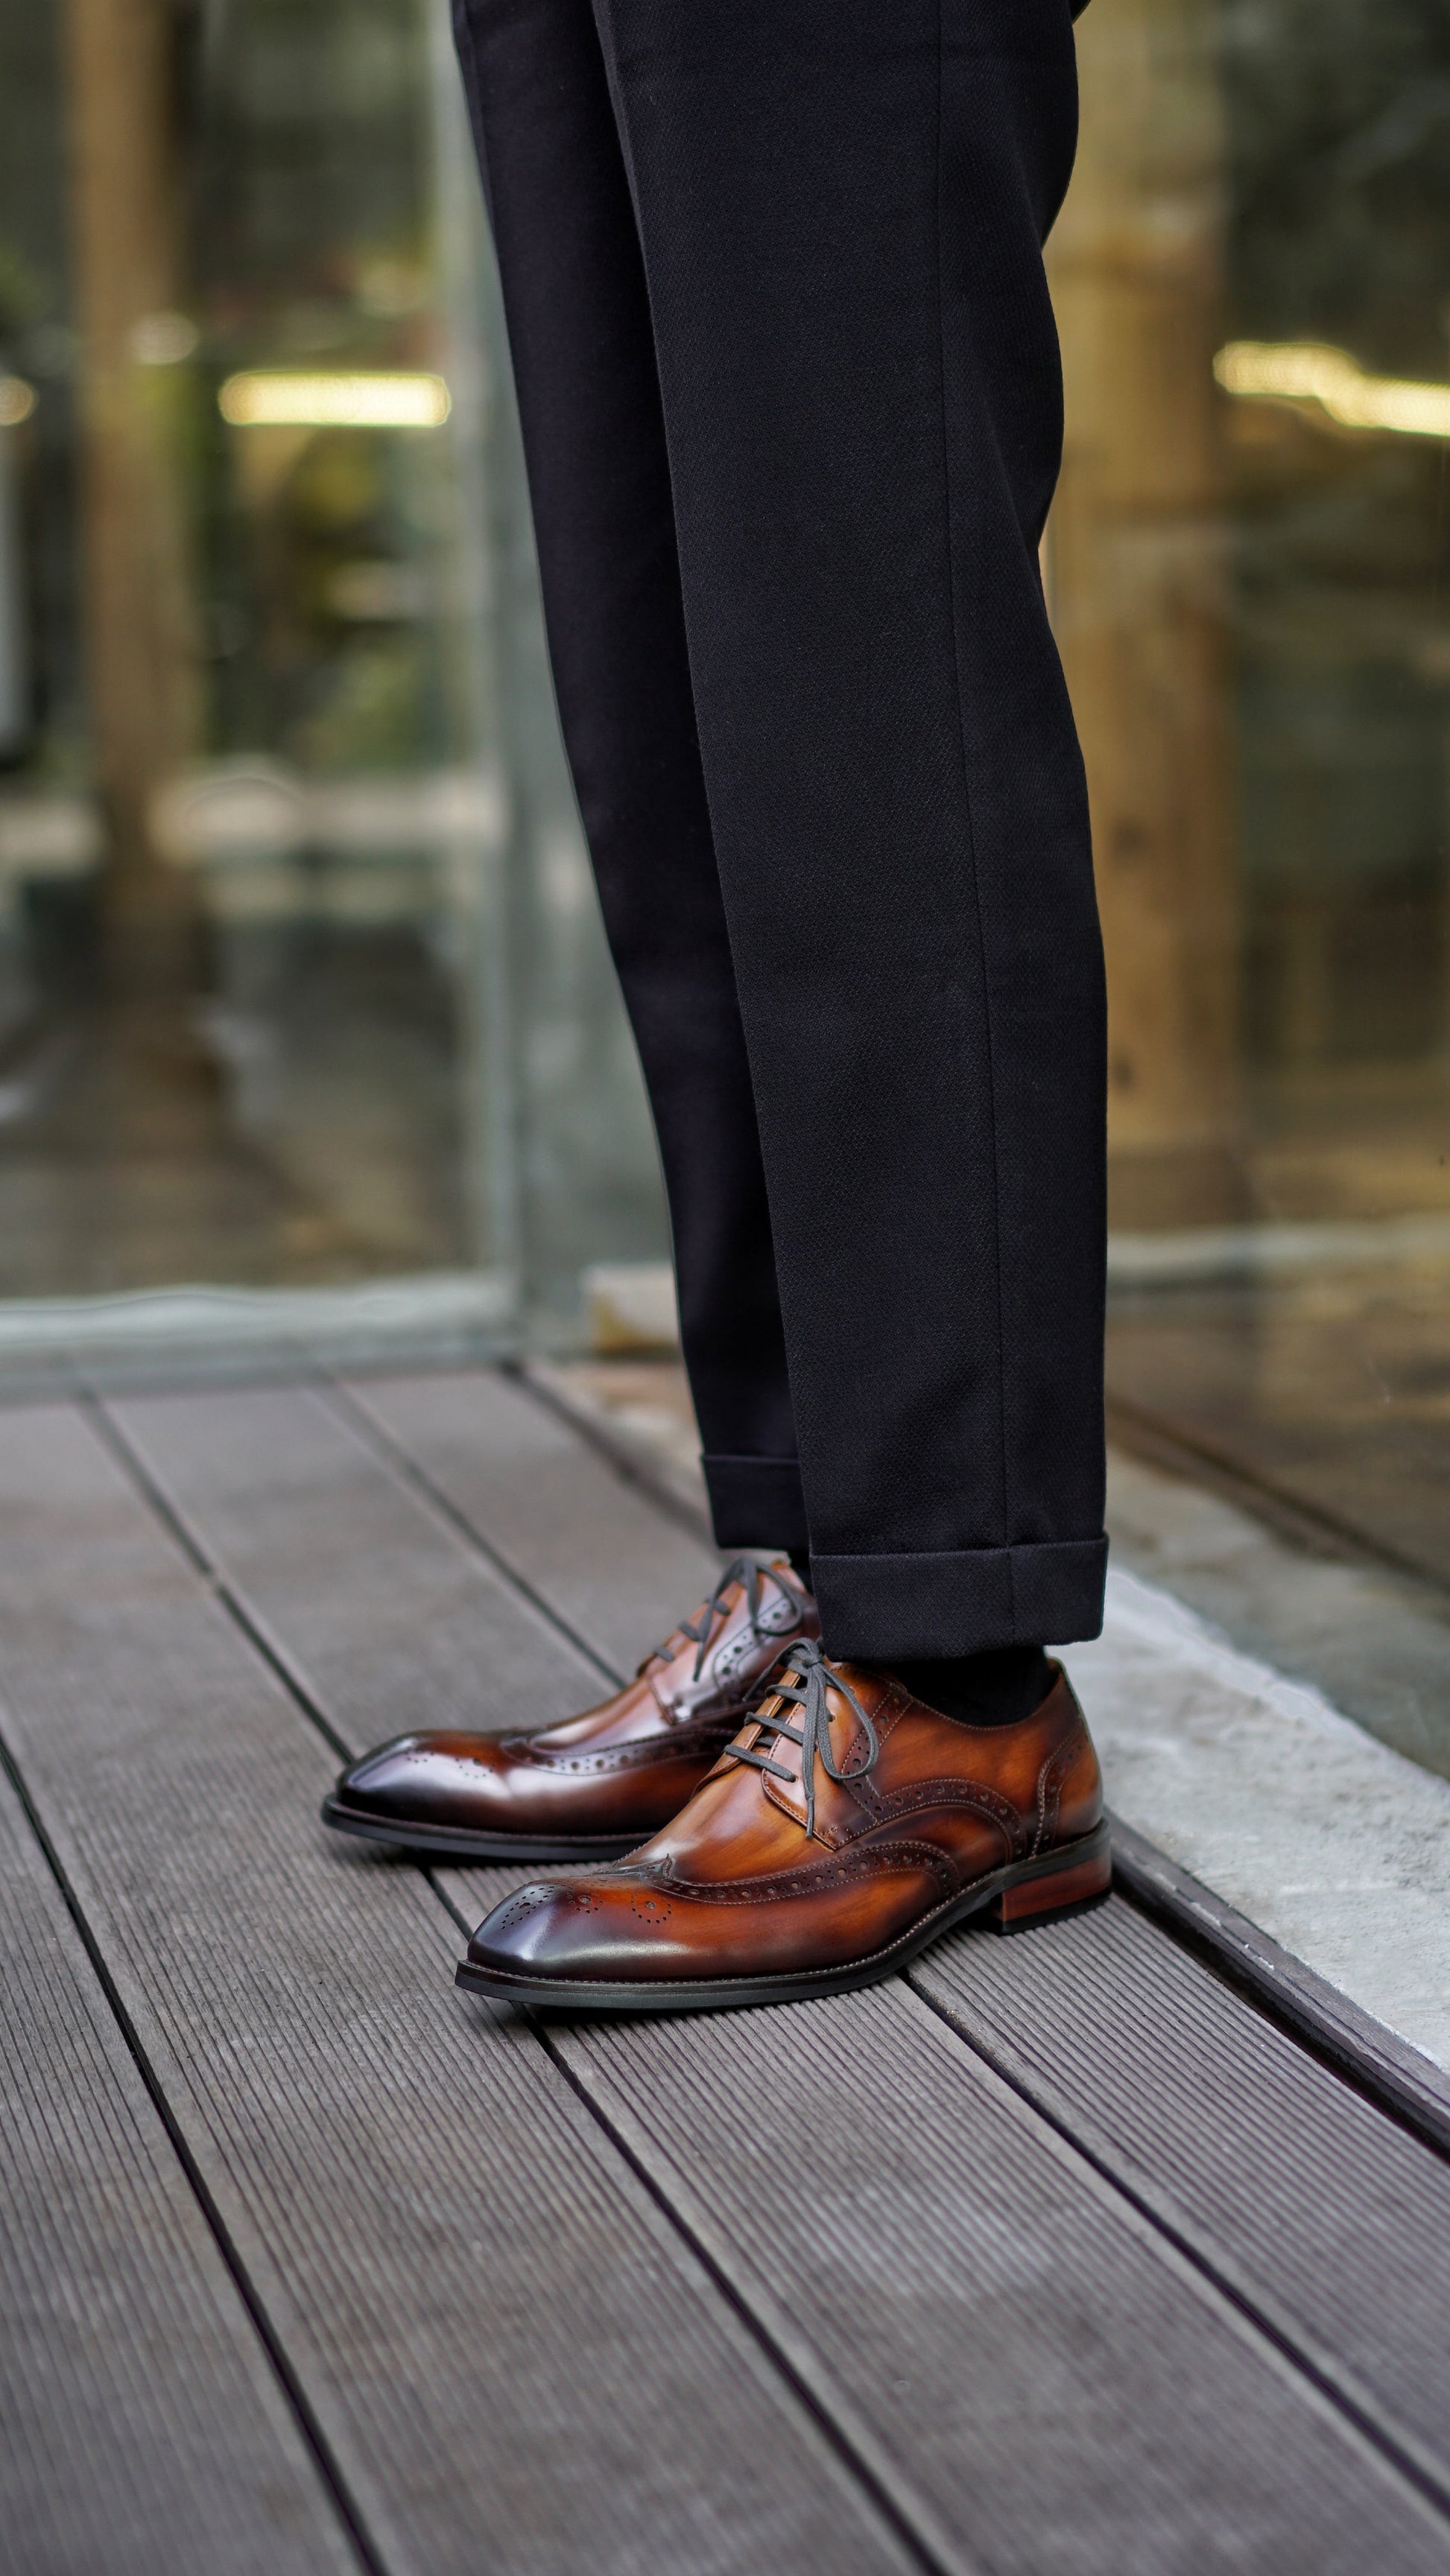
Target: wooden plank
513, 2359
289, 1488
1329, 2221
540, 1497
141, 2422
1047, 2383
1335, 2028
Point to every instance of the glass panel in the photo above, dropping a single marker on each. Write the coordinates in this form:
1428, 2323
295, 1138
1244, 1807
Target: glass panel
1249, 559
301, 980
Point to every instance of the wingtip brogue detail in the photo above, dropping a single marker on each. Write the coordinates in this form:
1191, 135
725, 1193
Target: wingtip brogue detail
596, 1785
845, 1827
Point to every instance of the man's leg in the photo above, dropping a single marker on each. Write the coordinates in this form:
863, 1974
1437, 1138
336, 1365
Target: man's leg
841, 208
584, 363
584, 360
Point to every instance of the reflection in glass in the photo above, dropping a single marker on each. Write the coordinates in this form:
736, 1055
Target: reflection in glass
300, 980
1249, 565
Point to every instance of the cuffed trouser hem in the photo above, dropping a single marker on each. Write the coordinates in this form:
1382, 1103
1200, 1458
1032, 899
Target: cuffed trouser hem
757, 1502
881, 1609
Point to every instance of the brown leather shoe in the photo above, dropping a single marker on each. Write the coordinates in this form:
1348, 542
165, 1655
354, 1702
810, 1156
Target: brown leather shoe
597, 1784
764, 1891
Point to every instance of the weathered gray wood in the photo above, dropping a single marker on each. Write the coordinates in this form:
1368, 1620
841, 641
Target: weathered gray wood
282, 1483
142, 2425
516, 2363
542, 1497
1329, 2220
1337, 2029
1048, 2385
1046, 2380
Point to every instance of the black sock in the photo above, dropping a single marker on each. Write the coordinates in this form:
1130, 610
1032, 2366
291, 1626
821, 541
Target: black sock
800, 1565
995, 1689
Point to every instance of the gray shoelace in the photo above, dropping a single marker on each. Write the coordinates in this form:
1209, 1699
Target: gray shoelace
753, 1578
811, 1677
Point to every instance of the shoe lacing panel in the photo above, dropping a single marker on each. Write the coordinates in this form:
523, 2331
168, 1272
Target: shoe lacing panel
803, 1687
752, 1579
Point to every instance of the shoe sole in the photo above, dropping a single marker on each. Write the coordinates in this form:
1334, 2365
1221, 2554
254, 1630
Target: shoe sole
1062, 1883
454, 1842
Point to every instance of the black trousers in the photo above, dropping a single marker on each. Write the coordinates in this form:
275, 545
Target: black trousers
791, 404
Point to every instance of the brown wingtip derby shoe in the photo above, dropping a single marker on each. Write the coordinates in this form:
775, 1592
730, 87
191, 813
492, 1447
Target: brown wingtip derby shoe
597, 1784
846, 1827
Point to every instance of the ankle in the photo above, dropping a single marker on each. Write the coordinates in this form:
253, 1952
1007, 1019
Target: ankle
994, 1689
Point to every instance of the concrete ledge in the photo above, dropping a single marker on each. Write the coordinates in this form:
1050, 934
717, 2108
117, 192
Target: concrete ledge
1335, 1846
50, 1344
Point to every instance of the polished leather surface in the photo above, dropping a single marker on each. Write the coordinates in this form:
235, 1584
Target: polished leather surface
606, 1778
736, 1887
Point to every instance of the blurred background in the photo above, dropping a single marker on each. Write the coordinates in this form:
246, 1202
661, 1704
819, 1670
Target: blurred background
300, 978
302, 993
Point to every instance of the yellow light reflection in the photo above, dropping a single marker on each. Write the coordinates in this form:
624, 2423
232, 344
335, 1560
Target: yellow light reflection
1307, 371
274, 397
17, 401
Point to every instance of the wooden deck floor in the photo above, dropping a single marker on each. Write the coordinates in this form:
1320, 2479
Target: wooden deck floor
1054, 2256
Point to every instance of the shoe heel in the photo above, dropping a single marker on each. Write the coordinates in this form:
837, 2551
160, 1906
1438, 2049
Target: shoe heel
1070, 1889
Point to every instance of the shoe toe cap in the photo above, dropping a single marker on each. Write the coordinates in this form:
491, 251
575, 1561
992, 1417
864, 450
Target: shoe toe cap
416, 1779
567, 1927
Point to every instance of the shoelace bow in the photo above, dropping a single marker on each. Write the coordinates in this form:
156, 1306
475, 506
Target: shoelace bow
813, 1677
752, 1578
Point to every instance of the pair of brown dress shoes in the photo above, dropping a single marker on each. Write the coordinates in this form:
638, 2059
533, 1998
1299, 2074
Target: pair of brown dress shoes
794, 1825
